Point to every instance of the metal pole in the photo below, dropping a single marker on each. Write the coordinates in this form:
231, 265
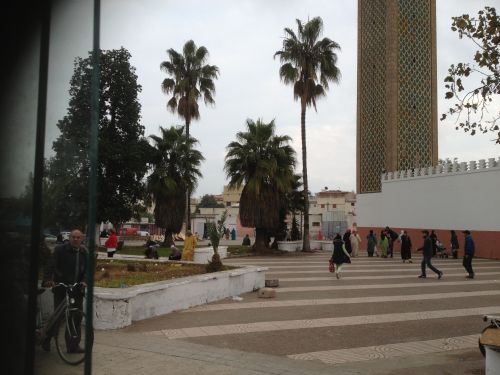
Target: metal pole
93, 148
36, 220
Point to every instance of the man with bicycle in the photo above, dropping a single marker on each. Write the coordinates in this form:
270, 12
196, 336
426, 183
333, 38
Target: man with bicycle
68, 265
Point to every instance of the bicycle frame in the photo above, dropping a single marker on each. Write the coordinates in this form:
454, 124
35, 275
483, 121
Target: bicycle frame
64, 307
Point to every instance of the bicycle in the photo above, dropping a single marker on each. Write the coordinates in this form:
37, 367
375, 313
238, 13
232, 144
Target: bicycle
66, 325
494, 324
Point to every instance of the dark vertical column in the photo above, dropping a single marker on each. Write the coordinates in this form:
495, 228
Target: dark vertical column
36, 219
93, 153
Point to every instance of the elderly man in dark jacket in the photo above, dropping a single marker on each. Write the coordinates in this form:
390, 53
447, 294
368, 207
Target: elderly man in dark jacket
68, 265
427, 253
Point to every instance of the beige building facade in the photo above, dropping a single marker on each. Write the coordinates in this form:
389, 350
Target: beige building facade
397, 92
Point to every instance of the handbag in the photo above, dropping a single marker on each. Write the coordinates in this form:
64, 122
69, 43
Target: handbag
331, 266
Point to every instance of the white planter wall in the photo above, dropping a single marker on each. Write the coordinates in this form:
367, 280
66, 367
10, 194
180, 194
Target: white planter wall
290, 246
203, 254
117, 308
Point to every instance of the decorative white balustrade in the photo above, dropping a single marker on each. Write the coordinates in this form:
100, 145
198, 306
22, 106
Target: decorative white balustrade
443, 169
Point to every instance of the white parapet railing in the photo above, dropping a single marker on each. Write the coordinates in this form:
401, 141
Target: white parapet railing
445, 169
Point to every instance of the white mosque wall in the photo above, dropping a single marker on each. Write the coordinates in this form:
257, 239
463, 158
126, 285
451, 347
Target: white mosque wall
453, 195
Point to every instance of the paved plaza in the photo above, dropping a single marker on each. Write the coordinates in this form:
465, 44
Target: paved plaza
379, 318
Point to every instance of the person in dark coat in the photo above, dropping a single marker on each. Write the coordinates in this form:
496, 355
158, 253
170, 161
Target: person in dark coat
392, 236
371, 243
433, 237
427, 253
67, 265
406, 247
469, 250
340, 255
454, 244
347, 241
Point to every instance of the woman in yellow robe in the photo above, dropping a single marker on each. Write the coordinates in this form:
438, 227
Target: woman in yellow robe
189, 246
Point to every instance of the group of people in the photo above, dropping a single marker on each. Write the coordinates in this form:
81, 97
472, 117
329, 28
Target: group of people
187, 253
347, 246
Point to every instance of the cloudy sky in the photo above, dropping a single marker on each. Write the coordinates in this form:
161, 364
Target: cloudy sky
242, 37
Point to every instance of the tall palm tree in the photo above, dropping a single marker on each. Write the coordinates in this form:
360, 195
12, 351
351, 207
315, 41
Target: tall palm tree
309, 65
191, 79
263, 162
175, 170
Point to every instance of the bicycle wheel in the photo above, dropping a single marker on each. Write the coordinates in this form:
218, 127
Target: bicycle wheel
70, 337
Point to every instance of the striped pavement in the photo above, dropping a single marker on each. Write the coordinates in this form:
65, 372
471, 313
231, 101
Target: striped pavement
378, 310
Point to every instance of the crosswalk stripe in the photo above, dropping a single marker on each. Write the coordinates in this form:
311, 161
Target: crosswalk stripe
230, 329
401, 349
360, 261
342, 301
384, 277
350, 269
422, 284
376, 266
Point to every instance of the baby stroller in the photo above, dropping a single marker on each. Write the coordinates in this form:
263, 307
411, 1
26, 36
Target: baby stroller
441, 250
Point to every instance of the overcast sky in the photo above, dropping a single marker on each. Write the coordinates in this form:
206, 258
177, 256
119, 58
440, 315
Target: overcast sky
242, 37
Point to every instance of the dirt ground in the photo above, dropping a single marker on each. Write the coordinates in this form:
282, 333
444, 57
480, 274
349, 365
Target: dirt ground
120, 273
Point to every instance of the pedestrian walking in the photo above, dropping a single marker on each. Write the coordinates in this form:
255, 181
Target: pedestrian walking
406, 247
383, 245
469, 250
392, 236
340, 255
454, 244
355, 241
371, 243
347, 241
433, 237
427, 253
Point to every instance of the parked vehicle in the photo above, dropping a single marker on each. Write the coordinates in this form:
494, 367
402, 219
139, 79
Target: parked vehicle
128, 232
65, 236
143, 233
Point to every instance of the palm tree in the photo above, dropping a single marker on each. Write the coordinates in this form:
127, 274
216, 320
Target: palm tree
264, 163
175, 165
309, 65
191, 80
295, 200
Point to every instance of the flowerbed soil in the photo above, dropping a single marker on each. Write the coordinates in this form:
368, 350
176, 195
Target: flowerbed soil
125, 273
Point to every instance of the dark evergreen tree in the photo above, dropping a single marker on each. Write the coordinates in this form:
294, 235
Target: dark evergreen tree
123, 149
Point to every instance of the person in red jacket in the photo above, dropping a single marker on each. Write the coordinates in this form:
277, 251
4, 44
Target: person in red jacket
111, 243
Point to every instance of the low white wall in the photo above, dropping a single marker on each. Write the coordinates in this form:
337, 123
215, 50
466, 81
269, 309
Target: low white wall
290, 246
117, 308
456, 196
204, 254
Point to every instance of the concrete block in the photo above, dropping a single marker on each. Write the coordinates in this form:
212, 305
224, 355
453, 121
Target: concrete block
266, 293
272, 283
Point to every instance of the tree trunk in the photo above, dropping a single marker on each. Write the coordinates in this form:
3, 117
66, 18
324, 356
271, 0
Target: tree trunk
188, 192
306, 246
168, 240
261, 244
